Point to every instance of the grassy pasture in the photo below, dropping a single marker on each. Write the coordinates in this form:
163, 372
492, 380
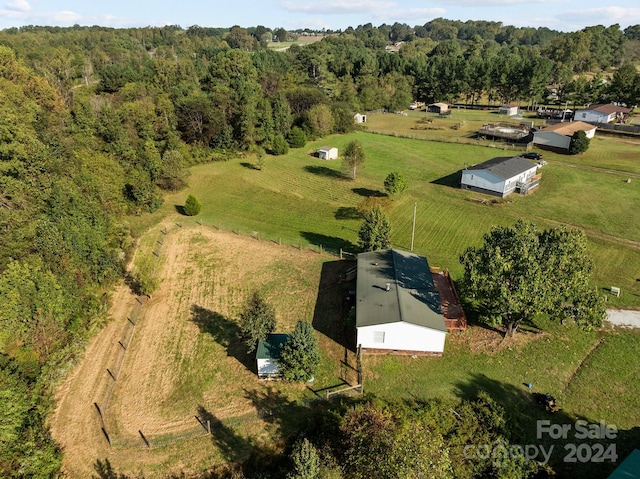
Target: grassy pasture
301, 200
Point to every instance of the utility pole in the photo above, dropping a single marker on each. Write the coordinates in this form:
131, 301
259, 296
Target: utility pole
413, 229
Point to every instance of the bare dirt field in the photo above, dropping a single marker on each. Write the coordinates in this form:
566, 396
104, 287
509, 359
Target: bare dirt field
183, 365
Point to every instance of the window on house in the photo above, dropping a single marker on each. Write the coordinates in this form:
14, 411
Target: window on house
378, 336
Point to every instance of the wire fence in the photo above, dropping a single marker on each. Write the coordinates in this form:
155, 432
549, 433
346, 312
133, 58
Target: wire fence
319, 248
201, 426
109, 429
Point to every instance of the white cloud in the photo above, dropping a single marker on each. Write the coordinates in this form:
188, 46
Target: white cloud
18, 6
338, 7
603, 16
498, 3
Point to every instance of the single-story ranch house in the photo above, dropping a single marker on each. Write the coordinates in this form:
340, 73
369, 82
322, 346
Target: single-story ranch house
559, 135
398, 306
501, 176
328, 153
602, 113
268, 354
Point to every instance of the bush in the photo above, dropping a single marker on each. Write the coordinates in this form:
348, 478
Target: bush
297, 137
279, 145
395, 184
192, 206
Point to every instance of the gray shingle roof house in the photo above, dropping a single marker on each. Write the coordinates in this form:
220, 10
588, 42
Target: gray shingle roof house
501, 176
397, 304
268, 353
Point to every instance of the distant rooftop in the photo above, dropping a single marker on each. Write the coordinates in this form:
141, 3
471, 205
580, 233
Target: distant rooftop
608, 108
569, 128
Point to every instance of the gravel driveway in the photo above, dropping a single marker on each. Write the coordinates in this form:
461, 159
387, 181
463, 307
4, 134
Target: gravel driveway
624, 317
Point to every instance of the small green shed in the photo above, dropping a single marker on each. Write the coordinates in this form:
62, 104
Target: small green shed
268, 354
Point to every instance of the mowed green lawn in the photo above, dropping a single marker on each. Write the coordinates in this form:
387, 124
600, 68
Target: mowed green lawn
301, 200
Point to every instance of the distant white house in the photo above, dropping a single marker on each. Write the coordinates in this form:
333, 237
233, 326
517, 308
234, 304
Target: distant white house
559, 135
501, 176
508, 110
328, 153
398, 308
268, 354
360, 118
602, 113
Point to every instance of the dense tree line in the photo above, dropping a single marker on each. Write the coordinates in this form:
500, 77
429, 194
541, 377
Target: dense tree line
96, 122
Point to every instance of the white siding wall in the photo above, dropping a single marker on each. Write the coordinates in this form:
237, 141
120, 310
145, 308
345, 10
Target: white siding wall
483, 179
593, 116
401, 336
267, 367
551, 138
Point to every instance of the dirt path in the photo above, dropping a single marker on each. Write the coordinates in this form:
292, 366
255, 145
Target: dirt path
172, 367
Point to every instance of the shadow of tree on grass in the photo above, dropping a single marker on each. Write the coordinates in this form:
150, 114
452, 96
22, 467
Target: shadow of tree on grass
324, 171
369, 193
332, 244
347, 213
225, 332
523, 412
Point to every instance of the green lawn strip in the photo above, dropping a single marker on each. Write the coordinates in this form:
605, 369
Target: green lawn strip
590, 380
301, 200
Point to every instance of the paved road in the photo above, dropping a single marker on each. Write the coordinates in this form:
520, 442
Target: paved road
624, 317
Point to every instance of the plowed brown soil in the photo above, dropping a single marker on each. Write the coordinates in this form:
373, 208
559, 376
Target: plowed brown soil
183, 359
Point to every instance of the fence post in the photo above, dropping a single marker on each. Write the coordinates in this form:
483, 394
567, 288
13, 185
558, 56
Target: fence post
340, 253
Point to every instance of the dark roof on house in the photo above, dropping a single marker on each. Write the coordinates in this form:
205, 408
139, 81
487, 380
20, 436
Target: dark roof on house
412, 296
270, 347
608, 108
505, 167
569, 128
629, 468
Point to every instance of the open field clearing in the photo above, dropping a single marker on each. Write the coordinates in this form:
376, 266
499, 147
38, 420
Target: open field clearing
301, 200
185, 360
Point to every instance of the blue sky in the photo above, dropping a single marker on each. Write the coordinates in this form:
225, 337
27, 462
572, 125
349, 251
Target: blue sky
564, 15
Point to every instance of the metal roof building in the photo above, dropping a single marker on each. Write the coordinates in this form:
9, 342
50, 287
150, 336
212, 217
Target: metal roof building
397, 304
268, 353
501, 176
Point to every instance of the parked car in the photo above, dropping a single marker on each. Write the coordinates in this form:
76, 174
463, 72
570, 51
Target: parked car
532, 155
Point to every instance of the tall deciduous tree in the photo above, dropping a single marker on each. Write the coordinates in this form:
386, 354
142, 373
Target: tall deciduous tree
520, 271
300, 355
353, 158
375, 232
257, 319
